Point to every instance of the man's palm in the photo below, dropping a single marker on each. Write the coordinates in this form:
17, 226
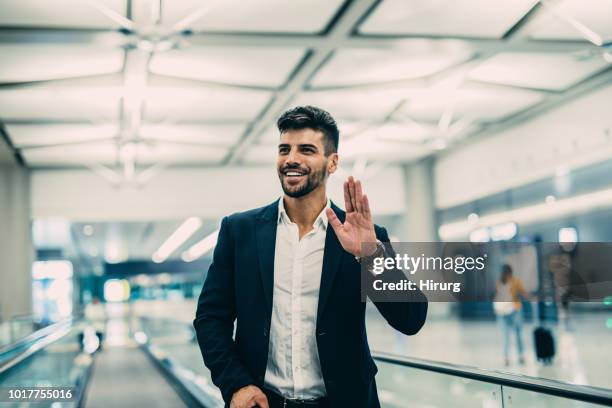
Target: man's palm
358, 227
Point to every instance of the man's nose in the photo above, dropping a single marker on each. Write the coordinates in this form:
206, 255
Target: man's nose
293, 157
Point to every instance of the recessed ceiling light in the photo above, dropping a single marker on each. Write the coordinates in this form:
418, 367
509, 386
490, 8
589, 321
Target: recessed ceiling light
201, 247
178, 237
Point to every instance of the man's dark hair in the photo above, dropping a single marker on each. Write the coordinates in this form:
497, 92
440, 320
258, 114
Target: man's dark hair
311, 117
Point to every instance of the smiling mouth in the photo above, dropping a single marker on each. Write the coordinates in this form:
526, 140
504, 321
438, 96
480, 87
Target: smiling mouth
293, 174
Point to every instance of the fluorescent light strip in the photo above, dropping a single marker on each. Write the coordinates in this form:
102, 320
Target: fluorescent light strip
178, 237
531, 214
202, 247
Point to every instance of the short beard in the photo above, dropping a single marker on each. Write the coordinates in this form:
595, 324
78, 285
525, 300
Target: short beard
313, 181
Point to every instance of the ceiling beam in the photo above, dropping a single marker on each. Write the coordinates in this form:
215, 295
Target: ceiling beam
41, 36
175, 81
552, 101
87, 122
36, 36
7, 149
342, 28
341, 35
88, 81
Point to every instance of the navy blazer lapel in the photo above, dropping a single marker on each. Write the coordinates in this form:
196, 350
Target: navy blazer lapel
266, 243
332, 257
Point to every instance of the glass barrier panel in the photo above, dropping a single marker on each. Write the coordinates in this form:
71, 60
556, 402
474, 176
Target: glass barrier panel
176, 341
60, 364
427, 389
518, 398
15, 330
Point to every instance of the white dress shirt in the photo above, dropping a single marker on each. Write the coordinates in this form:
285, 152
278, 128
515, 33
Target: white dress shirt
294, 369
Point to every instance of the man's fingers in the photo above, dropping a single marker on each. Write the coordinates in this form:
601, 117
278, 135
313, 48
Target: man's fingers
358, 196
366, 207
351, 183
333, 220
347, 198
262, 401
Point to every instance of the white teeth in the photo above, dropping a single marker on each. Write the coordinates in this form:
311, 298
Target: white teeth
292, 173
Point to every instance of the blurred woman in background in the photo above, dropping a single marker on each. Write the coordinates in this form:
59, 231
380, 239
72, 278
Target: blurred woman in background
507, 305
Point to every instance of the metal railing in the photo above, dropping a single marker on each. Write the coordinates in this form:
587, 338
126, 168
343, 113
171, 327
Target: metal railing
21, 349
544, 386
26, 348
187, 384
540, 386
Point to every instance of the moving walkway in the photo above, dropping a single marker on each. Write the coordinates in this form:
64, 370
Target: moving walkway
402, 381
66, 355
165, 369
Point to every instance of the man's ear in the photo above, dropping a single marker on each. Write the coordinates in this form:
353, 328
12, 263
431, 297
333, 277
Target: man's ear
332, 163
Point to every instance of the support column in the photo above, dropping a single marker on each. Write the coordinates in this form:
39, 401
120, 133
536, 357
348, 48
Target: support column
420, 214
16, 252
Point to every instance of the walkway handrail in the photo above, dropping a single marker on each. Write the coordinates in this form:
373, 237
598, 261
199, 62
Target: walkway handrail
22, 349
584, 393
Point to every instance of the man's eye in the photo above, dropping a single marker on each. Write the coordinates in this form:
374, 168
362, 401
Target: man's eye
283, 151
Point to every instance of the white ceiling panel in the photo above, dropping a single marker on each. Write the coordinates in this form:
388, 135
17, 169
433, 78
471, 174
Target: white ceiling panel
24, 63
261, 154
101, 153
539, 71
58, 13
212, 135
277, 16
463, 18
235, 65
354, 104
360, 66
477, 104
411, 131
176, 154
38, 135
594, 14
204, 104
107, 154
368, 147
60, 103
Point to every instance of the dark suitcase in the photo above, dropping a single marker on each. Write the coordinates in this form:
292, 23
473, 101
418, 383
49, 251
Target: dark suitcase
544, 344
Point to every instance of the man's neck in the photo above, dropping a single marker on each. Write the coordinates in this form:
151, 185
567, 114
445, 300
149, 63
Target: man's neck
304, 210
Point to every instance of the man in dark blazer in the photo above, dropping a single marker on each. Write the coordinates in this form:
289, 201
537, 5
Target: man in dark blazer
294, 286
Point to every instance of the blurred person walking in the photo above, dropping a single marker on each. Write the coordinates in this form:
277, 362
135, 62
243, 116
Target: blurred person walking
507, 305
96, 317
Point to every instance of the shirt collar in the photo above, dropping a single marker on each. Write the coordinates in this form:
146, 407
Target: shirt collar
321, 219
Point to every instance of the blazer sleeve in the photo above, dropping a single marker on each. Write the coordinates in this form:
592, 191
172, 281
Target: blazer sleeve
406, 316
214, 320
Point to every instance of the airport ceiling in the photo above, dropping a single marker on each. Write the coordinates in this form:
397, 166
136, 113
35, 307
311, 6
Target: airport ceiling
122, 241
121, 85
